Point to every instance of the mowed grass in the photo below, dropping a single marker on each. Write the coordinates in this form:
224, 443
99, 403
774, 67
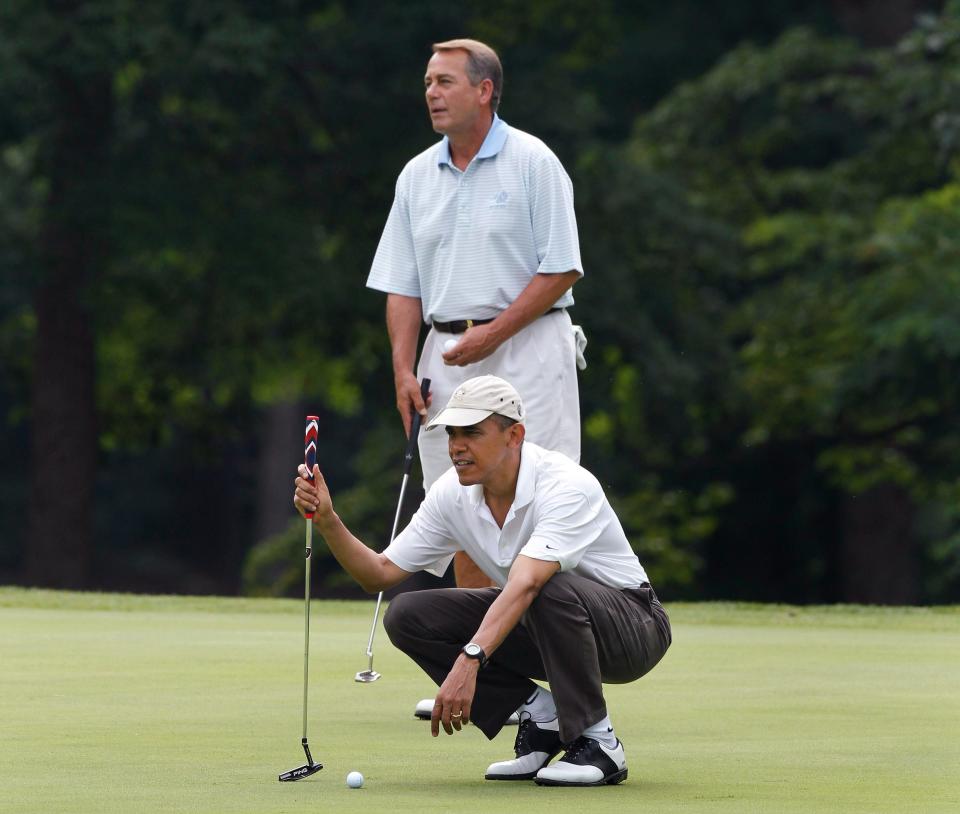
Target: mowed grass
169, 704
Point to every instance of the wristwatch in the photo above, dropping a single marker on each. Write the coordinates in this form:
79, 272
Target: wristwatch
472, 650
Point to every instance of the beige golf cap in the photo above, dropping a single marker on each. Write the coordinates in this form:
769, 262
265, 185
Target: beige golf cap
478, 398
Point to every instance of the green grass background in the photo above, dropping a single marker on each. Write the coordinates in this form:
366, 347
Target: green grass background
114, 703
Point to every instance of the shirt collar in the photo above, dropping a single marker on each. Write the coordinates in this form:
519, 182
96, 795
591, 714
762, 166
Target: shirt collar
526, 478
492, 144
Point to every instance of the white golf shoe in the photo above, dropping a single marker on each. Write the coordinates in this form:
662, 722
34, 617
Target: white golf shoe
535, 746
587, 762
424, 710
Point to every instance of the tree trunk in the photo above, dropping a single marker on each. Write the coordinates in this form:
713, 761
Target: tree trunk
878, 561
63, 450
63, 420
281, 452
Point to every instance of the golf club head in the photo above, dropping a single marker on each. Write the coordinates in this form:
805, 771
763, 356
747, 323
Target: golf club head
301, 772
366, 676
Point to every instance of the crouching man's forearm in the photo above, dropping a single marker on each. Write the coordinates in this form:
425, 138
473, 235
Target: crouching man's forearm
372, 571
454, 702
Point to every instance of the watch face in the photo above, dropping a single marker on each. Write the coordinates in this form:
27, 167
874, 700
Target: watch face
473, 650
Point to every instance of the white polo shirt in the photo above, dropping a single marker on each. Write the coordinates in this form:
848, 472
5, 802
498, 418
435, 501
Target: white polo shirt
559, 514
467, 243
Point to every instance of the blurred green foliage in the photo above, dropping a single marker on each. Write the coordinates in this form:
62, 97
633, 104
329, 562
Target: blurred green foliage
769, 223
835, 167
276, 567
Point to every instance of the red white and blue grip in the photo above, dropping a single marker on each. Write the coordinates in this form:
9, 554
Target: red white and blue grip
310, 447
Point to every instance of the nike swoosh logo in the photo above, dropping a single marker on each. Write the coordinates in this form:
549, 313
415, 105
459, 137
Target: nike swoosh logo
552, 548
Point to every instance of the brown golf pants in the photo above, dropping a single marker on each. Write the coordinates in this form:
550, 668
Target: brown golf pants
576, 635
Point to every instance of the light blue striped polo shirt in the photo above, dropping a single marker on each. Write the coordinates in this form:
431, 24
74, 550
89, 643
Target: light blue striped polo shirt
467, 243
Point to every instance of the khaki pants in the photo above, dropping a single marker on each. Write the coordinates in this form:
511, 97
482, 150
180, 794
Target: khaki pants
575, 635
539, 362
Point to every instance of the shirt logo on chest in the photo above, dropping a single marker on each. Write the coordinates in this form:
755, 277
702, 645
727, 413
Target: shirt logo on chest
500, 199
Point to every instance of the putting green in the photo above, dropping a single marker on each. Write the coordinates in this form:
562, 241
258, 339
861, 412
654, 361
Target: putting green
149, 704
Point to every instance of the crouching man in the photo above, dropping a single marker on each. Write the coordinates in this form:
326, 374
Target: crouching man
573, 607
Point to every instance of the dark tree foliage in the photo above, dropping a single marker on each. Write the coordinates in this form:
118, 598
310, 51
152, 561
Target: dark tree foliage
837, 167
191, 193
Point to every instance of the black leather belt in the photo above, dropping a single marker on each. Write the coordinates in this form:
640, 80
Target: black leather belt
459, 326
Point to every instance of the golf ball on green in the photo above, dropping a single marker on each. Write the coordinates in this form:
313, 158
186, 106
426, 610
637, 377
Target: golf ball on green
354, 780
450, 344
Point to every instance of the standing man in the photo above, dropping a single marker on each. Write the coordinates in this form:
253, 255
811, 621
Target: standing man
481, 244
573, 605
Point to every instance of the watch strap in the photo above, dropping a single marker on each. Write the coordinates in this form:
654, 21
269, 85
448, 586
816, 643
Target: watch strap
479, 655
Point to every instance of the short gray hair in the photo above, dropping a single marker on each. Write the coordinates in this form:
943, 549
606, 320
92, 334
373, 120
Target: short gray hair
482, 63
504, 422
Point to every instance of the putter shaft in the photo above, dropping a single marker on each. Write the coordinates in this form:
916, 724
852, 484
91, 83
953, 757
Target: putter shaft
306, 630
370, 674
311, 766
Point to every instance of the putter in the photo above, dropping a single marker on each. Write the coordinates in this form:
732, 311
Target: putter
368, 675
309, 458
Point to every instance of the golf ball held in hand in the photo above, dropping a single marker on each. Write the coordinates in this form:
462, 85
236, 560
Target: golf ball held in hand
450, 344
354, 780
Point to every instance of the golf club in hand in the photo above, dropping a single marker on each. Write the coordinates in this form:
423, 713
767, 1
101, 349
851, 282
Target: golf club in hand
309, 458
368, 675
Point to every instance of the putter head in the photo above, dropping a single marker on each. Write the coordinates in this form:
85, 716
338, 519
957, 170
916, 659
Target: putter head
301, 772
366, 676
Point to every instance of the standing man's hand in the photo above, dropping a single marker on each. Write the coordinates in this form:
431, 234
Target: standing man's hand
475, 344
455, 697
404, 315
534, 301
410, 399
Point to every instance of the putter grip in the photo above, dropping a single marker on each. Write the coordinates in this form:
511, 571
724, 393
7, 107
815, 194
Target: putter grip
310, 447
414, 430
